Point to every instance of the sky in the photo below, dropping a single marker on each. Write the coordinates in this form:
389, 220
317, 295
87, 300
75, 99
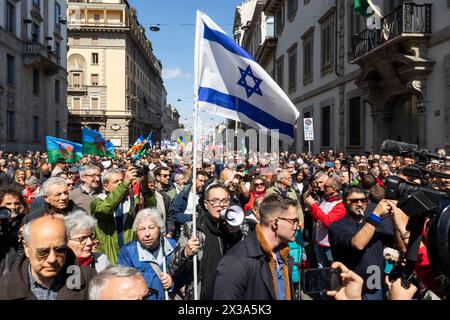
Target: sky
174, 46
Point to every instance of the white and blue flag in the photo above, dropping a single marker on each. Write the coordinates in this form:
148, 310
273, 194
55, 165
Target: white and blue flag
229, 83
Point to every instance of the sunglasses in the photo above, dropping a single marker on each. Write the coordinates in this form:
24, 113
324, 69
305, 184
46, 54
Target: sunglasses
43, 253
259, 184
356, 200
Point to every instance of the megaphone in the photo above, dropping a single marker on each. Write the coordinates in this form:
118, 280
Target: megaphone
233, 215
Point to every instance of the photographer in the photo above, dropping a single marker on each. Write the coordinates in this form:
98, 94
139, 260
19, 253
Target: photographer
115, 210
13, 208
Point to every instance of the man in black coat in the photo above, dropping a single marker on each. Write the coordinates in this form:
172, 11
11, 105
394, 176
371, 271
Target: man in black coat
48, 270
260, 268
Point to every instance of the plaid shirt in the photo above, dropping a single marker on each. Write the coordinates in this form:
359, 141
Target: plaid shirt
41, 292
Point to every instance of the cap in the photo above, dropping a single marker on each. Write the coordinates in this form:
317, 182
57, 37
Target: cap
329, 164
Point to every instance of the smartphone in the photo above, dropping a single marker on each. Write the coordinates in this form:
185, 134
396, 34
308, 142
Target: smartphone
321, 280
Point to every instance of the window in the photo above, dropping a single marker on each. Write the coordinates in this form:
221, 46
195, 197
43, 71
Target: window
354, 121
57, 129
94, 58
292, 6
35, 32
35, 81
292, 68
10, 69
57, 14
10, 17
76, 80
94, 79
58, 50
57, 91
76, 104
96, 17
35, 128
357, 25
37, 3
10, 125
279, 75
326, 126
94, 104
308, 56
327, 42
279, 21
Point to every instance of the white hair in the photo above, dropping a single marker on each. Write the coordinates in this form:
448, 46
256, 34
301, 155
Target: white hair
31, 180
149, 213
53, 181
109, 173
79, 221
98, 283
283, 174
178, 176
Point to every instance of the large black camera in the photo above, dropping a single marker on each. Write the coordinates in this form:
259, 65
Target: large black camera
421, 202
142, 169
4, 221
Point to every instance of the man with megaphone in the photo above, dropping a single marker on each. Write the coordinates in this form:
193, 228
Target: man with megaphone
218, 230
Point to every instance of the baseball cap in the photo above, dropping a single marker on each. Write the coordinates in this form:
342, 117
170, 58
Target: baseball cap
329, 164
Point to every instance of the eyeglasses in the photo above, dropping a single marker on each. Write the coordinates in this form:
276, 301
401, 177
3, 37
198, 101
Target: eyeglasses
84, 239
258, 184
92, 175
42, 253
356, 200
222, 202
295, 222
70, 184
165, 175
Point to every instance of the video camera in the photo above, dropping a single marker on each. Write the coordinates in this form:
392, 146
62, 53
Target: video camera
420, 202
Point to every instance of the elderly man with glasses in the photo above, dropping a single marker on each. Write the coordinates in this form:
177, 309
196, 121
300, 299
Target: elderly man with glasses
48, 270
89, 188
359, 238
214, 238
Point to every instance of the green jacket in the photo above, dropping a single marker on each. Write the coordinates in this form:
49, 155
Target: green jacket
102, 209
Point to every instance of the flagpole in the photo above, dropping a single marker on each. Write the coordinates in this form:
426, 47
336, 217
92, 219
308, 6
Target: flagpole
194, 194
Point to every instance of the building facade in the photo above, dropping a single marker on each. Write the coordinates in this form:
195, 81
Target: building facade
33, 81
115, 84
171, 122
360, 86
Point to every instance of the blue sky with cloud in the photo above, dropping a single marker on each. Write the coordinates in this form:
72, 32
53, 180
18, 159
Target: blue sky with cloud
174, 44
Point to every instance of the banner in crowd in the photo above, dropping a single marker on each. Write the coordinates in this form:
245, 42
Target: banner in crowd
134, 147
145, 145
229, 83
95, 144
59, 148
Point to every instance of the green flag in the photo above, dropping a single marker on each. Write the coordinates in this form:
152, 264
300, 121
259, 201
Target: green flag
361, 8
59, 148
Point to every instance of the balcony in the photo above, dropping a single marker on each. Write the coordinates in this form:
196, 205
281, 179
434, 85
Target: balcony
407, 21
76, 89
36, 55
87, 113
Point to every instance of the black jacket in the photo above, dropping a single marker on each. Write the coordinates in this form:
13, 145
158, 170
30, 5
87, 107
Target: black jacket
243, 273
16, 285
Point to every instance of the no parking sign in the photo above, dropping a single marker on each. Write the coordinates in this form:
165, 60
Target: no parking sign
308, 129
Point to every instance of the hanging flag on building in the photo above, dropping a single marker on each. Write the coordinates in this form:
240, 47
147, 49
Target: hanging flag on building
361, 7
229, 83
59, 148
95, 144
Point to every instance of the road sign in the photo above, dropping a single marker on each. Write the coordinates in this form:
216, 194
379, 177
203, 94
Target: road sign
308, 129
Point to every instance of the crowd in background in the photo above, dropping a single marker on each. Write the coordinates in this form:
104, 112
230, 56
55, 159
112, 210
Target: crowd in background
126, 224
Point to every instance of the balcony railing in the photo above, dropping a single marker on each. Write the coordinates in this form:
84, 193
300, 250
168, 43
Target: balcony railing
37, 55
408, 18
87, 112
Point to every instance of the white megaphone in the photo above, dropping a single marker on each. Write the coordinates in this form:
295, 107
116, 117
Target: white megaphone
233, 215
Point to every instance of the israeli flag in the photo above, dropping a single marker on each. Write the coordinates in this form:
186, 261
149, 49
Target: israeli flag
229, 83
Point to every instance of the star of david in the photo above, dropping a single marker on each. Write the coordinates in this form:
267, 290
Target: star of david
243, 82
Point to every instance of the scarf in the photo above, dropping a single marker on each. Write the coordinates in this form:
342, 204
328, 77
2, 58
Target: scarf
217, 242
85, 261
268, 256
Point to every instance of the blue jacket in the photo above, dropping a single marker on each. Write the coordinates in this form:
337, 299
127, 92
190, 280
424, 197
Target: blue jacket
180, 204
129, 256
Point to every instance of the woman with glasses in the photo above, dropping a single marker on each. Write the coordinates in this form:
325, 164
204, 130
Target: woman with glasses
258, 188
82, 240
150, 253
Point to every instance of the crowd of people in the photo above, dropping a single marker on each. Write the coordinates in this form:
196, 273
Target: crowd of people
122, 228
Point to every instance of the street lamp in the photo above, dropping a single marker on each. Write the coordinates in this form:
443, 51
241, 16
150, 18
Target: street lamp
155, 27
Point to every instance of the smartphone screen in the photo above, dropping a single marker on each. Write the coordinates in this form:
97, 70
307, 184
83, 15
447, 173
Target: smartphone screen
321, 280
